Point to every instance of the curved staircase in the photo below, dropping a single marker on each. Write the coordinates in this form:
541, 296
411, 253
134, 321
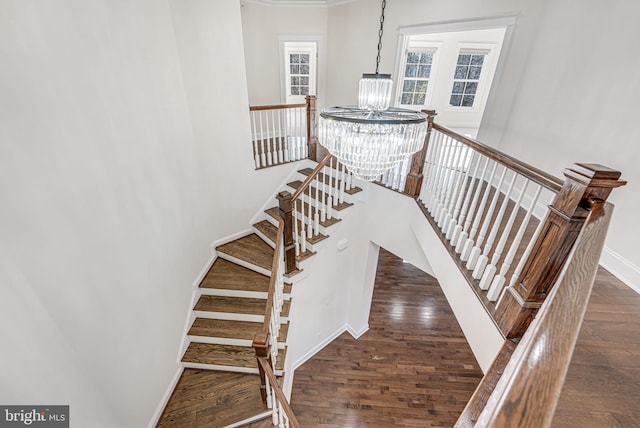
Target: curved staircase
219, 386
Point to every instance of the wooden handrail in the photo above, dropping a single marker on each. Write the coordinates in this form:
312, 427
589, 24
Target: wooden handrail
277, 107
262, 336
528, 391
275, 264
534, 174
282, 399
311, 176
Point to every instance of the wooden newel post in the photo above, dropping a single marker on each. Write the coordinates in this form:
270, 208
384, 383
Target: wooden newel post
261, 347
312, 139
286, 213
414, 178
567, 214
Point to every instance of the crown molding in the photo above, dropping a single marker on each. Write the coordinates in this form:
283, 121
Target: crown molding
298, 3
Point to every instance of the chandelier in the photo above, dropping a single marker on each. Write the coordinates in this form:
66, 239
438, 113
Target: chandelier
372, 138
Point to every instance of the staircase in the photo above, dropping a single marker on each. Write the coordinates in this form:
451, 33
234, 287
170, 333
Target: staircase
220, 384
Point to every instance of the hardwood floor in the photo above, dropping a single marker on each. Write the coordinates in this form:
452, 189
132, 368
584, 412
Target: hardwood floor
602, 388
413, 368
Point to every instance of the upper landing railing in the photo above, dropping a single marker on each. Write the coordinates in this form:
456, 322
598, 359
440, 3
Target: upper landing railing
283, 133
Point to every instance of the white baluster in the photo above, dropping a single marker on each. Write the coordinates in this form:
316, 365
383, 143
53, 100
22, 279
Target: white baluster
498, 281
527, 251
277, 155
428, 163
296, 232
451, 183
310, 231
281, 418
323, 198
454, 228
316, 216
477, 215
490, 271
455, 191
263, 157
282, 126
343, 183
270, 395
477, 249
433, 173
254, 139
329, 189
469, 205
478, 271
440, 179
303, 225
303, 113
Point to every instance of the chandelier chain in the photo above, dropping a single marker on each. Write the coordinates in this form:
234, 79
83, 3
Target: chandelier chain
384, 4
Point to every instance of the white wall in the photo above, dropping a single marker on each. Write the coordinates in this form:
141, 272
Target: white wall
123, 147
577, 102
566, 92
353, 29
264, 28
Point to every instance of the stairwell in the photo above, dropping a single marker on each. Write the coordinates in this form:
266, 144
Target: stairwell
220, 384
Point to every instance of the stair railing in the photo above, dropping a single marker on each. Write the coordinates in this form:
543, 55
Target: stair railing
482, 204
310, 206
527, 392
283, 133
265, 341
281, 413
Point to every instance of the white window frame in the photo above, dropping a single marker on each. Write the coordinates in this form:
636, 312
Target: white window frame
419, 46
486, 49
296, 47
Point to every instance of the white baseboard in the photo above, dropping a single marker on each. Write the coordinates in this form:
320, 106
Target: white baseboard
303, 359
621, 268
357, 333
165, 398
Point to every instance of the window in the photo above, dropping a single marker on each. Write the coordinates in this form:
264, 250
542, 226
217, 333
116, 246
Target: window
415, 82
300, 70
466, 78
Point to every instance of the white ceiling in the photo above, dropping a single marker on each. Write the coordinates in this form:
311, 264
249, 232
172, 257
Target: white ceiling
325, 3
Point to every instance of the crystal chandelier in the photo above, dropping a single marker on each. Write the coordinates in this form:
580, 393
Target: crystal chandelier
372, 138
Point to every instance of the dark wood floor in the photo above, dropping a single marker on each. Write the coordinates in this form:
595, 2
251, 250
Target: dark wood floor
362, 383
413, 368
602, 388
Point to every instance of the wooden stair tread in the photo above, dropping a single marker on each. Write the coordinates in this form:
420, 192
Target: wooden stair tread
227, 275
275, 213
270, 231
212, 398
226, 355
220, 355
231, 329
321, 177
341, 206
237, 305
267, 229
250, 249
228, 329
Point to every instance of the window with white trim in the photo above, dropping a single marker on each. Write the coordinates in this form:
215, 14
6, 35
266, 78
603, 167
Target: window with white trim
415, 82
466, 78
300, 70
